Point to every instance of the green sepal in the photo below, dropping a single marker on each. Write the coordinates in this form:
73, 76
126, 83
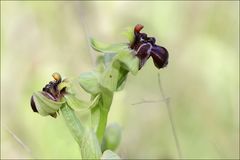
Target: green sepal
129, 34
64, 84
79, 105
73, 87
122, 78
129, 61
89, 82
46, 106
109, 78
109, 57
95, 101
100, 64
107, 48
75, 103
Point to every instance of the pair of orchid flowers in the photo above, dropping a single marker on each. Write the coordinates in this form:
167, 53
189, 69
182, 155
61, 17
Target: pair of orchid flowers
143, 48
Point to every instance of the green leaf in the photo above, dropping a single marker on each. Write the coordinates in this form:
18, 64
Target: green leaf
108, 154
90, 147
73, 123
107, 48
89, 82
112, 137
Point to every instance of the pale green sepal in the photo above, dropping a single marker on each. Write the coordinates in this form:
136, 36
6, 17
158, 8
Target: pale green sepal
75, 103
107, 48
46, 106
109, 78
89, 82
129, 34
130, 62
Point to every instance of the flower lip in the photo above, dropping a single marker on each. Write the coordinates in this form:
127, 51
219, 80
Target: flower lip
159, 56
51, 89
49, 96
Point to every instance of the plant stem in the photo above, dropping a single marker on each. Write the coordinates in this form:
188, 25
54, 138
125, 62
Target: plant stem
102, 125
103, 109
105, 104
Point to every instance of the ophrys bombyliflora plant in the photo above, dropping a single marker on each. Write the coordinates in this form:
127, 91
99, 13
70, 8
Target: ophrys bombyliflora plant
110, 75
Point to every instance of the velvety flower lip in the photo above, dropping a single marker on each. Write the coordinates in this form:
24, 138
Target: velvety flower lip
145, 47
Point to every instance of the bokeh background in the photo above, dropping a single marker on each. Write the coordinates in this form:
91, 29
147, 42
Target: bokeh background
201, 80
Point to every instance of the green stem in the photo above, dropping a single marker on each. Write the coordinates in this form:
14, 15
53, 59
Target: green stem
107, 97
102, 125
102, 111
104, 107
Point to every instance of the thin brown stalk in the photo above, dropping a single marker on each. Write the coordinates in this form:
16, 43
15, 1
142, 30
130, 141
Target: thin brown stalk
167, 104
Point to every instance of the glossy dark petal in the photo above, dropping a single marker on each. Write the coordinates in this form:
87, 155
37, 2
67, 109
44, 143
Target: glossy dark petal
143, 36
160, 56
152, 40
49, 96
143, 53
34, 108
51, 88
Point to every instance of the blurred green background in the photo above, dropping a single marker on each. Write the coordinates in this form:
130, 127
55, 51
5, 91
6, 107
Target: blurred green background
201, 79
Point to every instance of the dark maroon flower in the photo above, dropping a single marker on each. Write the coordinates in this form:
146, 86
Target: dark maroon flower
145, 47
50, 91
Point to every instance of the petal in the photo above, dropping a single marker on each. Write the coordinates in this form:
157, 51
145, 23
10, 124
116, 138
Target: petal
160, 56
143, 52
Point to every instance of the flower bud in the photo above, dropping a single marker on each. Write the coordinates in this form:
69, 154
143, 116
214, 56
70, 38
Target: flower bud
112, 137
